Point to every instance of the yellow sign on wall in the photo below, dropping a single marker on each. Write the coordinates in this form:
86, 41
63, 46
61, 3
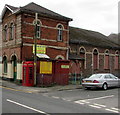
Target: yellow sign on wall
40, 49
45, 67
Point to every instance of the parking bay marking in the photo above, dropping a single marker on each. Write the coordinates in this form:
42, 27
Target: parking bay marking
115, 111
55, 97
99, 105
86, 100
95, 105
97, 98
39, 111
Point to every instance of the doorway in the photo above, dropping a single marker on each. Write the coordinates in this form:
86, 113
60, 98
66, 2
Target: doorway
14, 67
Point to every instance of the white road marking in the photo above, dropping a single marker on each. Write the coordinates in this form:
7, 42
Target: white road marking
98, 98
115, 109
45, 95
94, 106
55, 97
70, 90
65, 99
39, 111
99, 105
84, 101
112, 110
78, 102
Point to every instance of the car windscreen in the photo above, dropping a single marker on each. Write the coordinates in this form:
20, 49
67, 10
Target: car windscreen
95, 76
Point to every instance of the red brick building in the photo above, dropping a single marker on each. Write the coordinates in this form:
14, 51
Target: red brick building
92, 52
88, 51
18, 30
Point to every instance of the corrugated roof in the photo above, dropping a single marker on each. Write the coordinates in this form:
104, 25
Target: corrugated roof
88, 37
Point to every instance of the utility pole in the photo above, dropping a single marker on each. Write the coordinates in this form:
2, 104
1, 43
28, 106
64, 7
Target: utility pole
35, 44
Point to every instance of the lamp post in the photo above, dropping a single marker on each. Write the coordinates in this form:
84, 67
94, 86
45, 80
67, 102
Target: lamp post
35, 44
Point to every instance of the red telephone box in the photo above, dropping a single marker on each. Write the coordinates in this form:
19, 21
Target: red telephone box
28, 73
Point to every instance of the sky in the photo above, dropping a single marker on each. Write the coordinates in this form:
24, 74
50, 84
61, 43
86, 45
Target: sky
95, 15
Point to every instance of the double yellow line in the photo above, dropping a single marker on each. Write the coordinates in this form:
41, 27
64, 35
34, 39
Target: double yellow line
16, 89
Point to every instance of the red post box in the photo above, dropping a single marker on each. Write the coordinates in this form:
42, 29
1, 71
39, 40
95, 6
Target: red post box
28, 73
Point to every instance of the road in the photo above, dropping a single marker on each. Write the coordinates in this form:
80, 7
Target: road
69, 101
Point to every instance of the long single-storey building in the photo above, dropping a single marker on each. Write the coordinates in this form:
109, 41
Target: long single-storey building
92, 52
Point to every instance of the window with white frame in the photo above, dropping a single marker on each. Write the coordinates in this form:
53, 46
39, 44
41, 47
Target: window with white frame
82, 56
5, 32
82, 53
116, 62
95, 59
106, 60
11, 31
60, 33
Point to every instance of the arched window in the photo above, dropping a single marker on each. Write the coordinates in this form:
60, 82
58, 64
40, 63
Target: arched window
95, 59
5, 64
5, 32
60, 33
60, 57
11, 31
83, 58
116, 62
106, 60
82, 53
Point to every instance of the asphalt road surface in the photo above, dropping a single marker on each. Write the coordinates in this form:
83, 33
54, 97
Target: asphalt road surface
68, 101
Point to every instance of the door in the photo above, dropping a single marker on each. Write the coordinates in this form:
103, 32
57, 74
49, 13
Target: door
15, 69
114, 80
108, 80
14, 65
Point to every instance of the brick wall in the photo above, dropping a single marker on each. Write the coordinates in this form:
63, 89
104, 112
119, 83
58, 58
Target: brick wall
24, 33
88, 68
48, 36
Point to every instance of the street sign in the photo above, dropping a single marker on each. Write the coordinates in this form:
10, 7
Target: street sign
40, 49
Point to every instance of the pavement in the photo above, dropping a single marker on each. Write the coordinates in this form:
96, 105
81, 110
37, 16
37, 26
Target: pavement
13, 86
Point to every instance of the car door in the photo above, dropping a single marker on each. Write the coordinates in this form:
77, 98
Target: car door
108, 80
114, 80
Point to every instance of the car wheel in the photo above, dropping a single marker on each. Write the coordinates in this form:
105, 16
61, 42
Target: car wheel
88, 88
105, 86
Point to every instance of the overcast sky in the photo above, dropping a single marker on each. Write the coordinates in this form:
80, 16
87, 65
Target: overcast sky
96, 15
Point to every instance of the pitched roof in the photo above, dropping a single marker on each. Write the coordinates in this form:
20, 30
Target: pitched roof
114, 38
43, 11
35, 8
11, 7
88, 37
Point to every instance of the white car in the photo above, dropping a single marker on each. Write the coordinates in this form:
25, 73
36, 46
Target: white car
101, 80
